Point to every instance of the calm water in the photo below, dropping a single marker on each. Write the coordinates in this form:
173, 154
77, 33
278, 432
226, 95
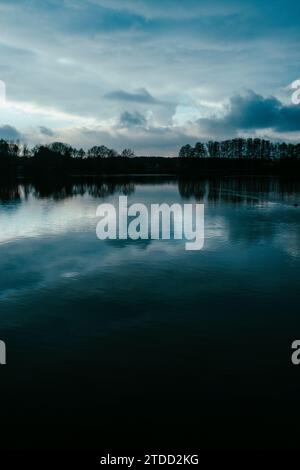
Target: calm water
122, 343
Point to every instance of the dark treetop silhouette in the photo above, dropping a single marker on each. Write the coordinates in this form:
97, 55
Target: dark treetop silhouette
236, 155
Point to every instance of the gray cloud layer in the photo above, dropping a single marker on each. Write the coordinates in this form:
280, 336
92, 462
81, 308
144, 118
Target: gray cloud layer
117, 62
139, 96
252, 112
128, 119
10, 133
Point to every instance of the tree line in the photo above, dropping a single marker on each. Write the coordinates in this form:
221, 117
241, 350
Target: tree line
241, 148
9, 149
236, 155
57, 156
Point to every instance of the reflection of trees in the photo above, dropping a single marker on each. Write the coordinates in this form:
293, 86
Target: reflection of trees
9, 192
250, 190
189, 189
54, 189
59, 190
109, 188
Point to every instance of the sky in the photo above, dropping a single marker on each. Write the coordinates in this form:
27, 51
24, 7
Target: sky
151, 75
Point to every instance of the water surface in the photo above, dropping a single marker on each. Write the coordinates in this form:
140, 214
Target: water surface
142, 343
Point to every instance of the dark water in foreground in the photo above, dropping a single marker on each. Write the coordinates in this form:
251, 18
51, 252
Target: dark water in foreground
141, 344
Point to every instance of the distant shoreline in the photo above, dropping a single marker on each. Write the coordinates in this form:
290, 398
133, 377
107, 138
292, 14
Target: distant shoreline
54, 165
175, 166
237, 157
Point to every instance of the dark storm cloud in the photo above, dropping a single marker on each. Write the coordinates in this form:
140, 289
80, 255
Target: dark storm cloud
46, 131
251, 112
10, 133
128, 119
139, 96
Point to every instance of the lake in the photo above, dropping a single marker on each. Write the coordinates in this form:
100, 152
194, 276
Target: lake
142, 344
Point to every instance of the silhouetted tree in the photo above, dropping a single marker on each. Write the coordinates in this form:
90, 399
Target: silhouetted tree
200, 150
128, 153
186, 151
98, 152
60, 148
214, 149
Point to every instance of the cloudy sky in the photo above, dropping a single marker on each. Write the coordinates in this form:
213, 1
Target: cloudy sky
148, 74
